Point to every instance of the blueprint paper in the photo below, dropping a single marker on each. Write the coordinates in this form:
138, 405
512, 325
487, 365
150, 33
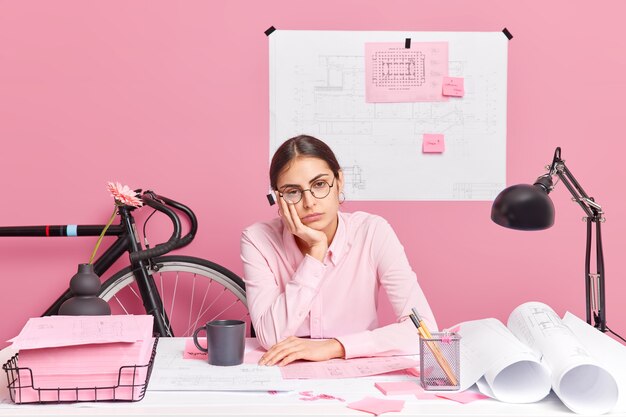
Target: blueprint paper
347, 368
578, 379
511, 369
395, 74
174, 373
535, 352
609, 352
317, 87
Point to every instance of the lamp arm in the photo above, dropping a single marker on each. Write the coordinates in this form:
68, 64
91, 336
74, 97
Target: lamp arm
592, 209
594, 283
577, 192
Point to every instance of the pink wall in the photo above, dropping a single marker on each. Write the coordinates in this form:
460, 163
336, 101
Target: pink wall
174, 96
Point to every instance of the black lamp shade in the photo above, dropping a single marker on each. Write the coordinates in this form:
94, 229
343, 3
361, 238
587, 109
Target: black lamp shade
523, 207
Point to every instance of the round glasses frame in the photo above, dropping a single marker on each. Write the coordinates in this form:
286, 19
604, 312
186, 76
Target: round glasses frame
301, 192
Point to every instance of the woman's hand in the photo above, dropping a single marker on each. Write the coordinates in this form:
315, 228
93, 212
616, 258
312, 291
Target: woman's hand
315, 239
294, 348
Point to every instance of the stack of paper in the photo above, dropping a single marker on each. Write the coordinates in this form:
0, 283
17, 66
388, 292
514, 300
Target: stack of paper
93, 355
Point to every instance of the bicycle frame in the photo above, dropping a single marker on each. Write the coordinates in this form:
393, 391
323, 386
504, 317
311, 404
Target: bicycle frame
127, 241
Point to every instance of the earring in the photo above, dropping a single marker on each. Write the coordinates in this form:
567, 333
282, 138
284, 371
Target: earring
342, 197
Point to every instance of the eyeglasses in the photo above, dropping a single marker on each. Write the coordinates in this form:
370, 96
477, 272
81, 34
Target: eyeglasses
320, 189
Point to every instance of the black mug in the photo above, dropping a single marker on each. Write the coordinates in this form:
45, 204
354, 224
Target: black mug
226, 341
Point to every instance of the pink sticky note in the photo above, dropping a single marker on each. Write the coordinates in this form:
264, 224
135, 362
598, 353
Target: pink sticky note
192, 352
433, 143
463, 397
453, 86
398, 388
377, 406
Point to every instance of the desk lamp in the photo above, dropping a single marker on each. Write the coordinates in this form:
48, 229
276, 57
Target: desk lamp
528, 207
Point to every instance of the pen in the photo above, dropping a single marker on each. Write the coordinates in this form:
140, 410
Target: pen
421, 323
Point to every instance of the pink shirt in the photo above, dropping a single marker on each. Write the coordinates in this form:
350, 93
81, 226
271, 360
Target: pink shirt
294, 295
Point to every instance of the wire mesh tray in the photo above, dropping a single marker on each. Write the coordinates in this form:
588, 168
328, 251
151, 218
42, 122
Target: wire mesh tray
132, 383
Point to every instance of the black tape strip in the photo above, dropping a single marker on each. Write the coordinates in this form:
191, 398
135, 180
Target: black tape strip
270, 30
507, 33
407, 43
270, 199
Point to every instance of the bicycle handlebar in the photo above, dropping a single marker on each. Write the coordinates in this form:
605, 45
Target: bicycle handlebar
163, 205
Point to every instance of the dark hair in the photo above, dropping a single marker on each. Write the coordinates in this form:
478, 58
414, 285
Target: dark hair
302, 145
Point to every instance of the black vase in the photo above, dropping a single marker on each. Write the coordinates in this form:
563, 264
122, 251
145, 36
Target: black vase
85, 301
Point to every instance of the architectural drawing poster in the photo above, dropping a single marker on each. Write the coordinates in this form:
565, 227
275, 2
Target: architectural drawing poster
318, 87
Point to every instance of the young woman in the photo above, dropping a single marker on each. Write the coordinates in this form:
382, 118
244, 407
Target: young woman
312, 275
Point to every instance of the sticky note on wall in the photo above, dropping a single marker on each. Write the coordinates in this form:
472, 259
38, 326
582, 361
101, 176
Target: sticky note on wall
453, 86
433, 143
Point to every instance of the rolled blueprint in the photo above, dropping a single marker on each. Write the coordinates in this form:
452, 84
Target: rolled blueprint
577, 378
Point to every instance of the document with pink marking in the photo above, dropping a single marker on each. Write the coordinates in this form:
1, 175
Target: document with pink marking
347, 368
396, 74
56, 331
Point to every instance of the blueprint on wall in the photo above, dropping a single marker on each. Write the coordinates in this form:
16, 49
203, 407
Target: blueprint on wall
317, 87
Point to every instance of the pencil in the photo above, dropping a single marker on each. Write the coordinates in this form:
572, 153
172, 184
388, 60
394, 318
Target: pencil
432, 345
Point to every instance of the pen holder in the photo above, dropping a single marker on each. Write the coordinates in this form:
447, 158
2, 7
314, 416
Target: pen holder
440, 362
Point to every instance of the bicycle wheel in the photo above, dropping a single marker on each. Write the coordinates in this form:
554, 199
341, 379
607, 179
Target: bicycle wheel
193, 291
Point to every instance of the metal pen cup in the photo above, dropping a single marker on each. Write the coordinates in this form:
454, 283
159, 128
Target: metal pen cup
440, 362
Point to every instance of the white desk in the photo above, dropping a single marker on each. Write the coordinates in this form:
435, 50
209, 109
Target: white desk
157, 403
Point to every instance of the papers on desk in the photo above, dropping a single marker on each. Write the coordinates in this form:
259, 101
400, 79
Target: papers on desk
54, 331
610, 353
350, 368
178, 372
537, 351
82, 352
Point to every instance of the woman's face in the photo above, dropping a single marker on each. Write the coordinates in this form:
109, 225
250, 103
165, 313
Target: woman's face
309, 173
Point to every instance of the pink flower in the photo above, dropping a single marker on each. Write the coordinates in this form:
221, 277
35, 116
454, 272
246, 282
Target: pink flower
123, 195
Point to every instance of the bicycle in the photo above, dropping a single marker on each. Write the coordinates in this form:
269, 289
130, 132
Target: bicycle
181, 292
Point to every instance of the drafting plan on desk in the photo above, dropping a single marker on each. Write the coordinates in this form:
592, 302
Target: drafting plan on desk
351, 368
317, 87
173, 373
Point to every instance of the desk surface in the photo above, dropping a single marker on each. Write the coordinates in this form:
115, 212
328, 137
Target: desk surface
160, 403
